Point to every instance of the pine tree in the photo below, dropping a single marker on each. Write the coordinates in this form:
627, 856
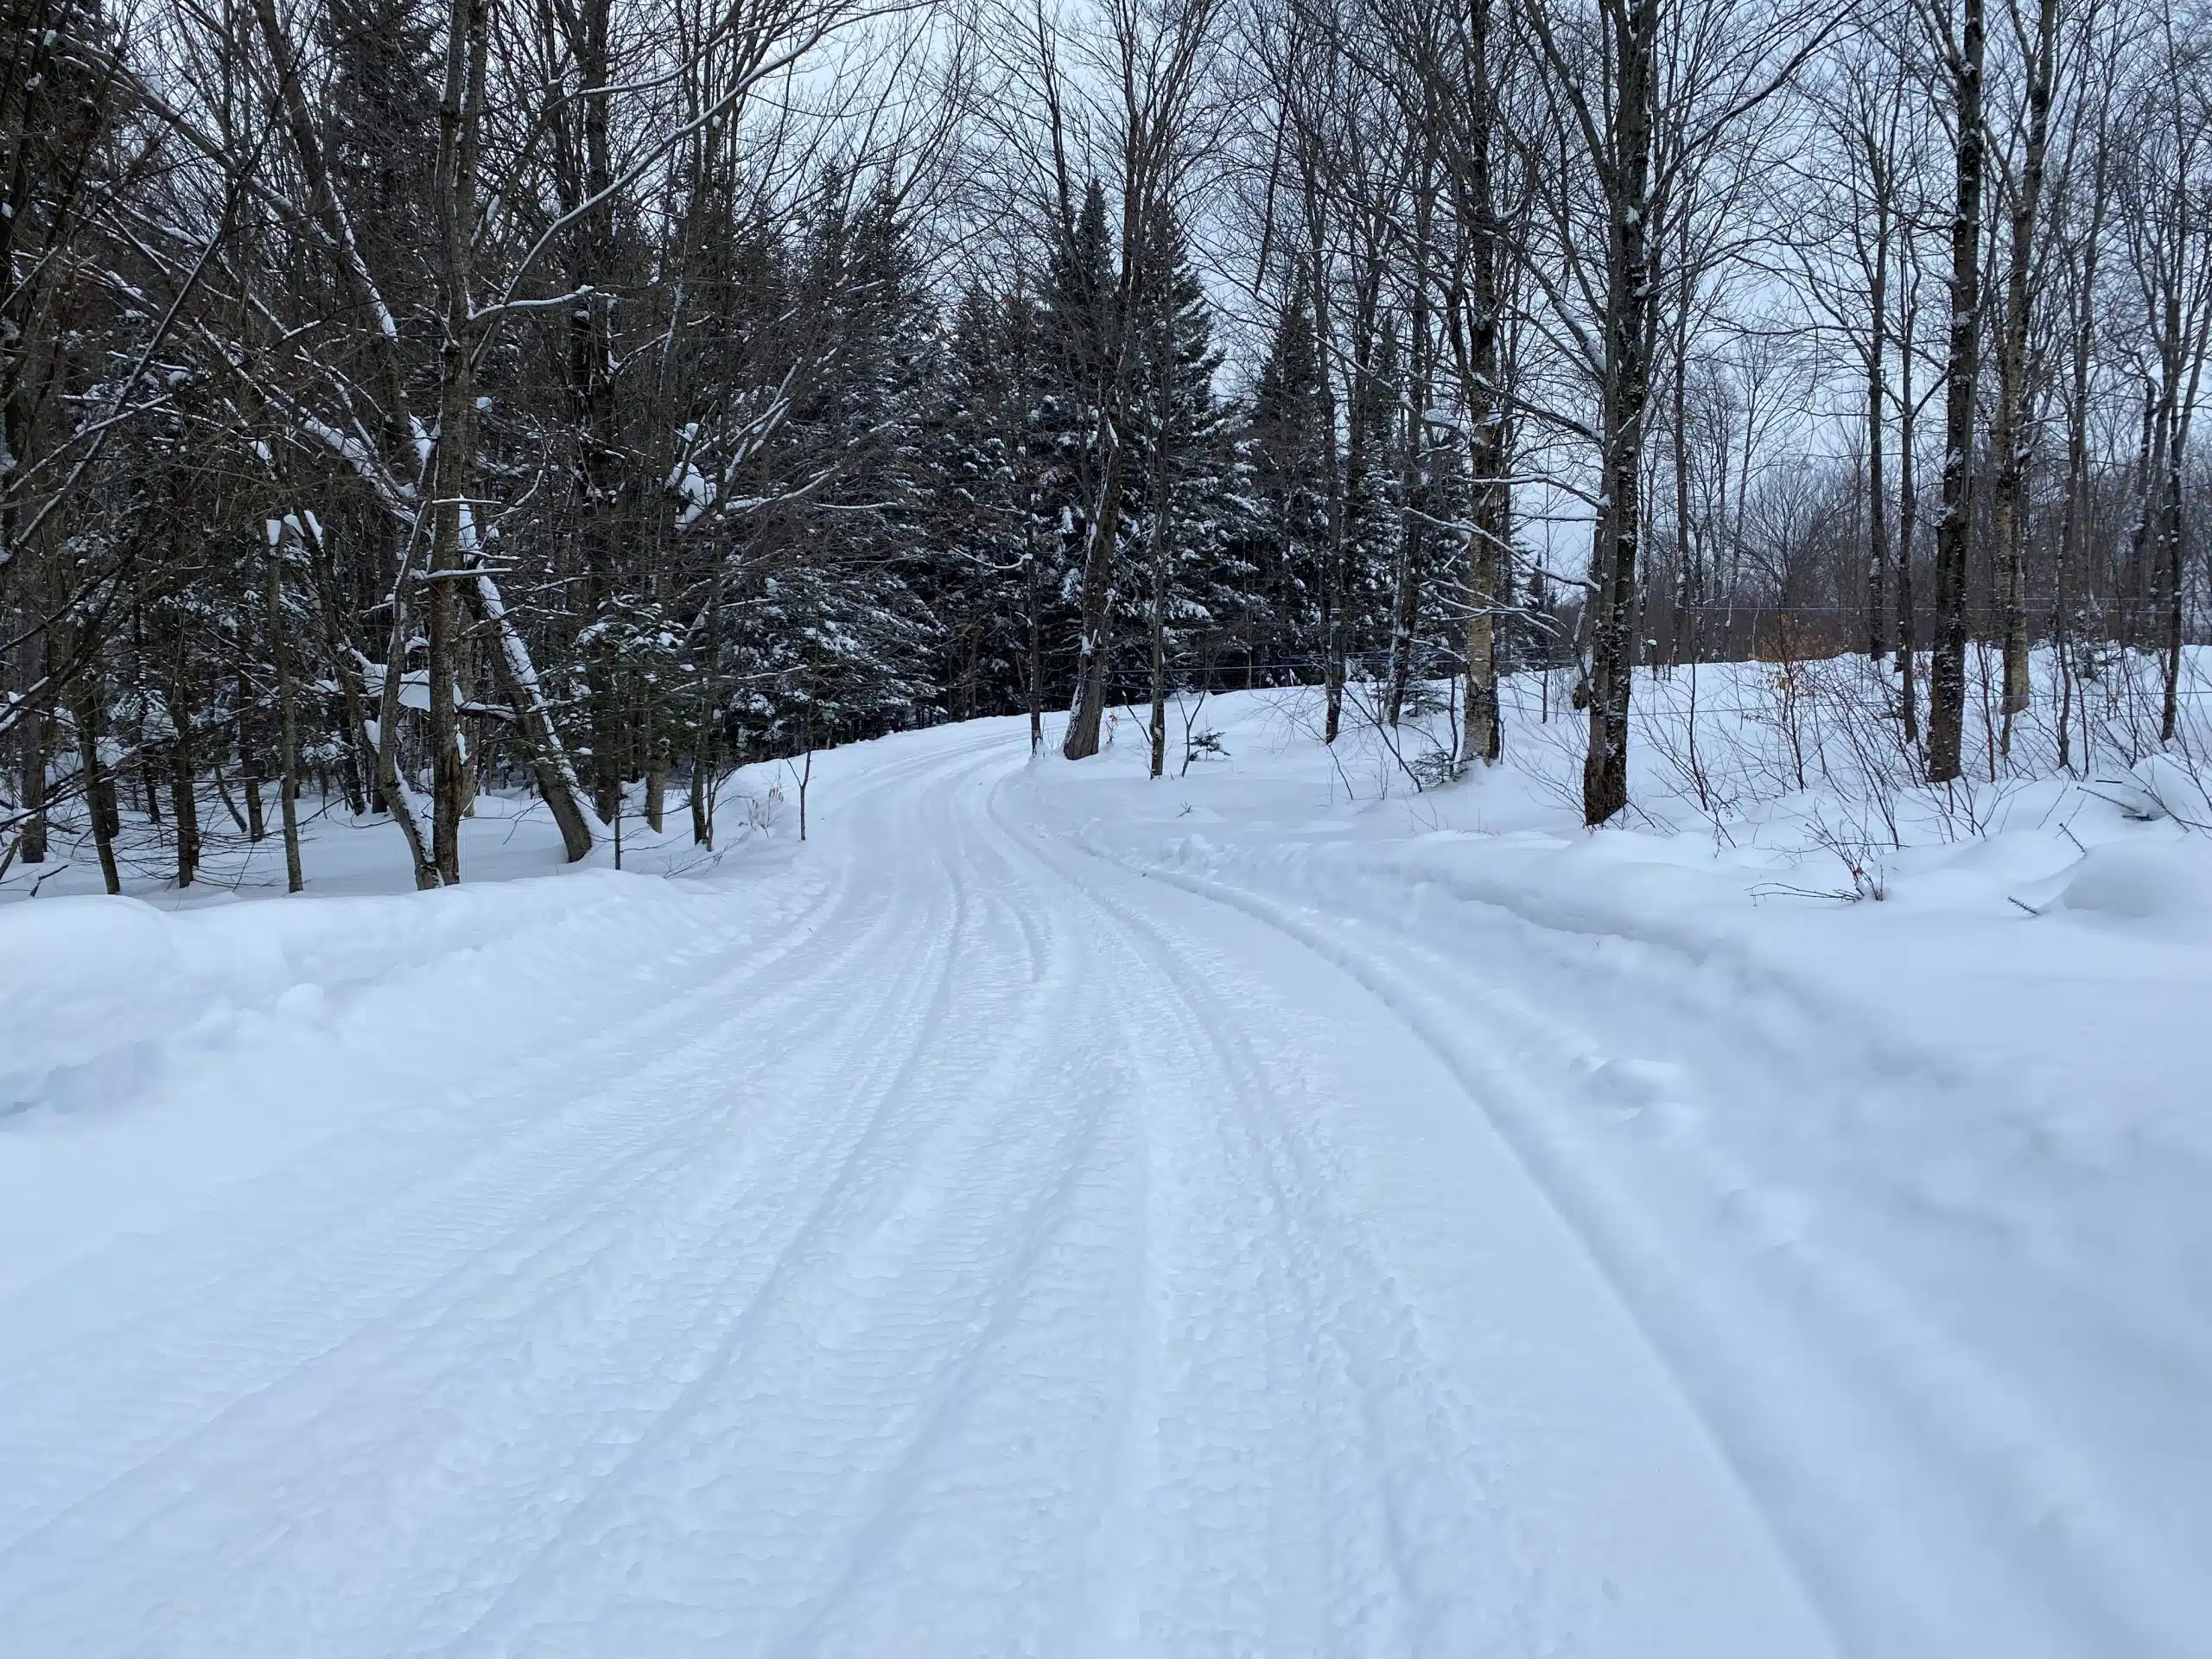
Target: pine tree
835, 641
974, 580
1176, 479
1374, 508
382, 105
1285, 451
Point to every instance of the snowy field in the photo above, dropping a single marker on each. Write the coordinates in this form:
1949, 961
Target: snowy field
1305, 1205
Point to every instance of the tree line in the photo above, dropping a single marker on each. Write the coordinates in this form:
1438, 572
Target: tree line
404, 398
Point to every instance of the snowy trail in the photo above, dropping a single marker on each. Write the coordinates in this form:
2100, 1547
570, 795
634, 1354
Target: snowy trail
1006, 1254
1931, 1506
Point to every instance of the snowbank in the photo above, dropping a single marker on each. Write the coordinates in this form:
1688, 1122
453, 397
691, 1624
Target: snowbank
149, 1059
87, 982
2168, 887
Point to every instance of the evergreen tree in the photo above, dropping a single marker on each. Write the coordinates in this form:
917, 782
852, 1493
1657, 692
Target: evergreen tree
834, 641
1374, 506
1180, 459
974, 583
1077, 338
383, 123
1285, 452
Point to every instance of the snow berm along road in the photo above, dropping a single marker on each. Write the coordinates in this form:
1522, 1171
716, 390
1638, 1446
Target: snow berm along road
945, 1241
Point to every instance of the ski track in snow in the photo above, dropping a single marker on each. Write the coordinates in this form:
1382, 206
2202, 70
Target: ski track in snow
1010, 1253
1930, 1509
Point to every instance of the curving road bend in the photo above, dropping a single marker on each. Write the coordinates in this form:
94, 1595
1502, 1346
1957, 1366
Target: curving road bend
1006, 1254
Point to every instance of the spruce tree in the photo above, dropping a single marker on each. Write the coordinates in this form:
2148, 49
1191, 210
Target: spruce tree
973, 581
1176, 479
1286, 449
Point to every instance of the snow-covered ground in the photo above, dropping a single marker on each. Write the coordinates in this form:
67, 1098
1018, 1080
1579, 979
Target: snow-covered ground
1273, 1210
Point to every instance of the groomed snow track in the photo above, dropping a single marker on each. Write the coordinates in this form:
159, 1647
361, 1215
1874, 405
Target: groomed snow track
958, 1244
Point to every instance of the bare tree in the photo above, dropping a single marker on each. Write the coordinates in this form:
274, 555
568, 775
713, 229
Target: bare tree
1959, 34
1644, 92
2012, 430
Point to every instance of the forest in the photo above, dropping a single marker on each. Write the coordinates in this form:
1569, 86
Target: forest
406, 399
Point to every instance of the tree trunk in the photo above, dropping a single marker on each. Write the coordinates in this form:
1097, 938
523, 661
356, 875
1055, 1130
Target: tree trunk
2175, 584
582, 135
460, 120
655, 766
1405, 598
1628, 298
184, 804
1036, 605
1405, 618
1413, 472
1482, 391
400, 799
37, 745
365, 734
1334, 470
1878, 504
1158, 726
1946, 683
1157, 621
449, 781
2150, 467
2009, 437
1689, 587
1908, 525
1482, 738
703, 744
288, 737
2184, 404
1347, 551
257, 826
2074, 532
517, 675
1089, 711
100, 810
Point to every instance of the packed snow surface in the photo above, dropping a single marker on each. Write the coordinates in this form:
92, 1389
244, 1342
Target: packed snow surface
1271, 1211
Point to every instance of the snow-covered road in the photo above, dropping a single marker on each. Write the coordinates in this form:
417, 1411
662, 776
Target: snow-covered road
952, 1242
